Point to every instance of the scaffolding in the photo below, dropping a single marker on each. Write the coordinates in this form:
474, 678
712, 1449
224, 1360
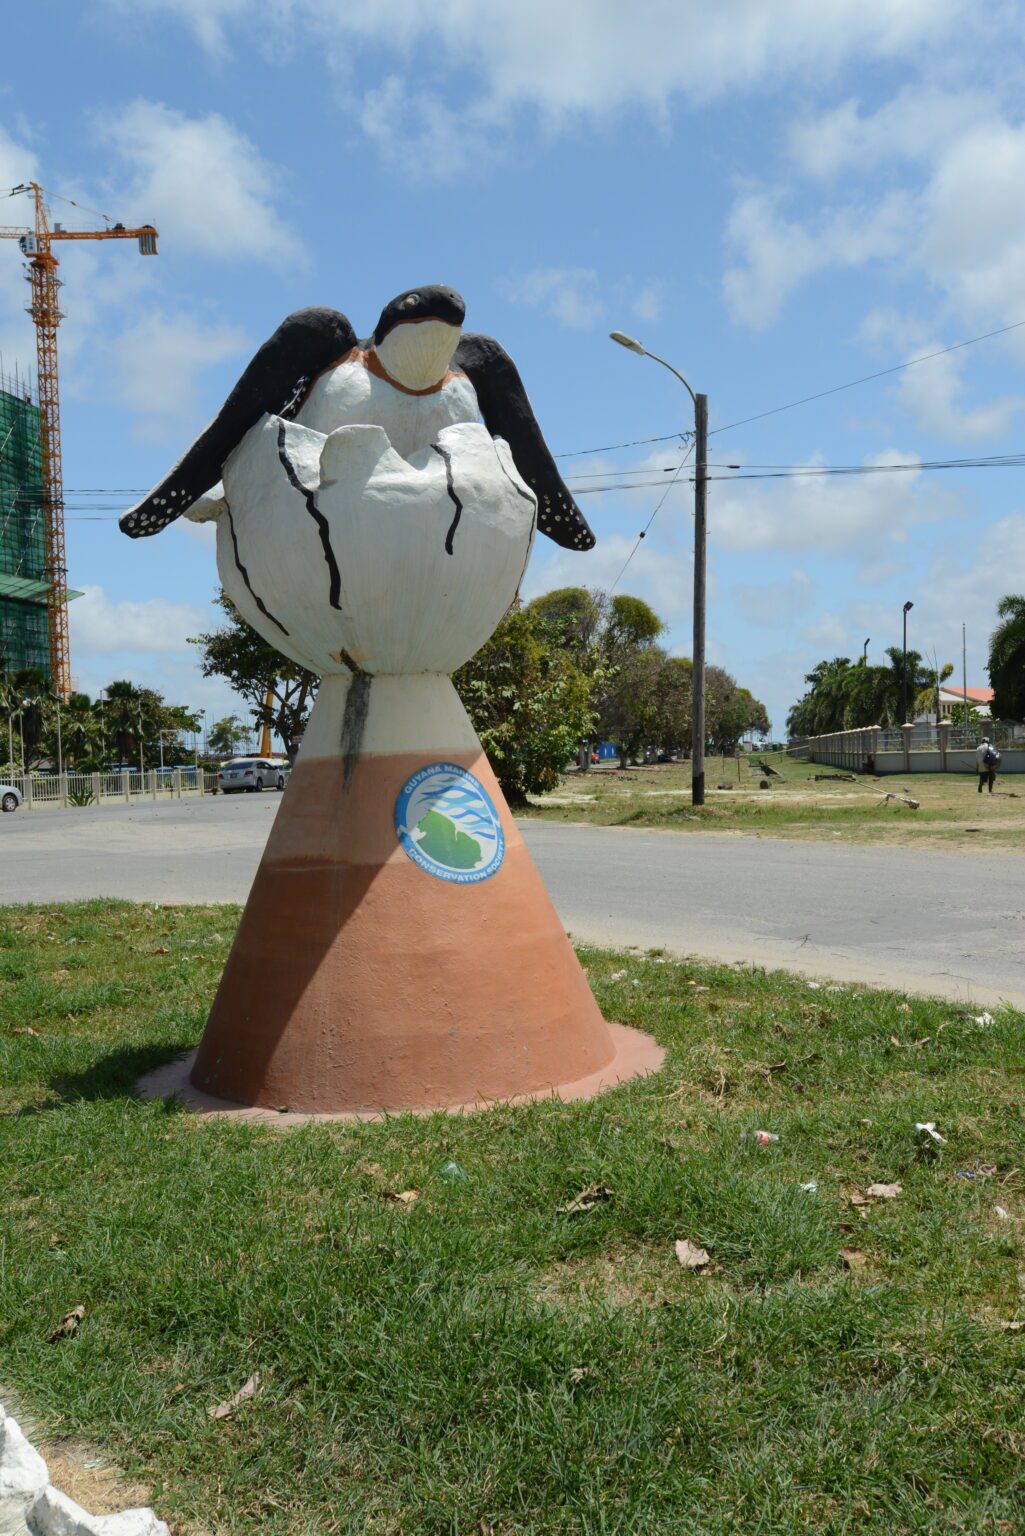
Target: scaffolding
24, 577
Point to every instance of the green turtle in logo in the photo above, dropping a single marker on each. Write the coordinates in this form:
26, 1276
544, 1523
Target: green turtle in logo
442, 841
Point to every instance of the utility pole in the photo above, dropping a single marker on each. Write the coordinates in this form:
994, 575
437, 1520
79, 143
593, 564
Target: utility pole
904, 668
697, 747
697, 695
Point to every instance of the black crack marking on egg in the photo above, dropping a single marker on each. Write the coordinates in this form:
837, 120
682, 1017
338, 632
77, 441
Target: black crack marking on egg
245, 576
354, 721
453, 496
318, 517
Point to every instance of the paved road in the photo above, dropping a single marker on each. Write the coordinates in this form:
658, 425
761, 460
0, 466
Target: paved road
951, 923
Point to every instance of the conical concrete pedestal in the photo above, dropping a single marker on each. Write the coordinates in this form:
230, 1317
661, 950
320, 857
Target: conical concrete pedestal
398, 949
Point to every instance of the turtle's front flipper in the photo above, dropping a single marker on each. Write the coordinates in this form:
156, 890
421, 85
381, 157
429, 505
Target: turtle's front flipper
276, 382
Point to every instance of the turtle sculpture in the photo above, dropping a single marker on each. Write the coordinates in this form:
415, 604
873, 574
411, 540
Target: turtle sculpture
398, 949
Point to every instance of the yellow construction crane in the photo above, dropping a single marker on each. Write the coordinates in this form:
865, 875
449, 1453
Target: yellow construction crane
36, 242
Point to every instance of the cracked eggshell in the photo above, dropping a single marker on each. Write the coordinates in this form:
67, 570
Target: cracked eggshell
405, 605
23, 1475
54, 1514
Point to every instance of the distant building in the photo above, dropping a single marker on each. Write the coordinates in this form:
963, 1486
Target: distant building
952, 702
24, 588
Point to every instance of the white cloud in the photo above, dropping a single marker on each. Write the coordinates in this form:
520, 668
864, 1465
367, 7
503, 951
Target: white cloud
853, 515
201, 181
18, 163
647, 304
101, 626
421, 136
912, 126
569, 294
157, 360
661, 575
772, 256
776, 604
597, 55
934, 392
973, 222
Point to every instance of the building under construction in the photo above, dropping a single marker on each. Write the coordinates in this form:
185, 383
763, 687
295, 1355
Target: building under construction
24, 584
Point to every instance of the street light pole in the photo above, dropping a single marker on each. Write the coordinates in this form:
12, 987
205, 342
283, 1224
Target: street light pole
904, 668
864, 653
700, 549
60, 746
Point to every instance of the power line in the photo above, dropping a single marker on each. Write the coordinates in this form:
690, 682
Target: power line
835, 389
651, 519
638, 442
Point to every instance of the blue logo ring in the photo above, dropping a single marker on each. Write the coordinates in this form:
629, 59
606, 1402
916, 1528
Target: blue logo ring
448, 825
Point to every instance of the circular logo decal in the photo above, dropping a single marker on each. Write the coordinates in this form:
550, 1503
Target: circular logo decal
447, 823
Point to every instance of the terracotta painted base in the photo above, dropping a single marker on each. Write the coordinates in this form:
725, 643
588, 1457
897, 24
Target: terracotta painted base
359, 982
636, 1055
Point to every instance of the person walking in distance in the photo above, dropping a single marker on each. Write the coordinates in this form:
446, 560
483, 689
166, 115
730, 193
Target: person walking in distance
987, 761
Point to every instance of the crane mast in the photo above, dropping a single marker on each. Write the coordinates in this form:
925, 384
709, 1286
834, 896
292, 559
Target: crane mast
36, 245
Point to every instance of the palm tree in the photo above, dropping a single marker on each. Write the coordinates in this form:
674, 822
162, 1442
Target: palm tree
1007, 659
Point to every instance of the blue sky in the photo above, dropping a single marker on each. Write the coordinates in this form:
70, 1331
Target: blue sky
778, 198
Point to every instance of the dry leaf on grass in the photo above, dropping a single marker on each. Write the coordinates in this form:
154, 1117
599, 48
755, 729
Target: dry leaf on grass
857, 1199
690, 1256
160, 950
68, 1323
883, 1191
24, 1029
405, 1196
852, 1258
578, 1372
586, 1200
227, 1409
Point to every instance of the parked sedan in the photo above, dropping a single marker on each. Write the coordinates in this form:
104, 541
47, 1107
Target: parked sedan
246, 773
10, 798
252, 773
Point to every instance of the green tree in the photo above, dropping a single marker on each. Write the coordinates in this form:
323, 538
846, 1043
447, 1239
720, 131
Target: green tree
131, 716
1007, 659
529, 701
258, 672
631, 699
227, 736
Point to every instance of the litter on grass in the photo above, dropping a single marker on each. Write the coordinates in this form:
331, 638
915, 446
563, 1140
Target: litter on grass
929, 1138
1000, 1213
451, 1173
68, 1324
982, 1019
617, 975
761, 1138
883, 1191
226, 1410
811, 1188
587, 1199
690, 1256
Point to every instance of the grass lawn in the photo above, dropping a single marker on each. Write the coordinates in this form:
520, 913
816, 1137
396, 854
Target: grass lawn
473, 1361
952, 812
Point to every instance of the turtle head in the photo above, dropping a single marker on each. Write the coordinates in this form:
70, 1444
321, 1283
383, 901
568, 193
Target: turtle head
417, 334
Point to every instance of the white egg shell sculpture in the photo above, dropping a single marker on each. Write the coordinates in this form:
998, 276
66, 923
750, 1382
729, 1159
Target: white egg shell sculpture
343, 554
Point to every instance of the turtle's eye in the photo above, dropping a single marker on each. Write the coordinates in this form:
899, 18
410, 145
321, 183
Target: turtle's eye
411, 301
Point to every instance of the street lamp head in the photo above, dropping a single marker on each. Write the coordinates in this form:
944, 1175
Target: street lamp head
908, 607
626, 341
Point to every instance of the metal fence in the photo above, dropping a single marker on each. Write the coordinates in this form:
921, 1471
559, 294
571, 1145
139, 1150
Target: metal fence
80, 789
923, 736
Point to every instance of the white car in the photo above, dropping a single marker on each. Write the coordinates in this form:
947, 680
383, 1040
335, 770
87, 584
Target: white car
10, 798
252, 773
